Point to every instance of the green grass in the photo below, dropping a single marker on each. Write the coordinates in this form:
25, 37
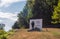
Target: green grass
56, 34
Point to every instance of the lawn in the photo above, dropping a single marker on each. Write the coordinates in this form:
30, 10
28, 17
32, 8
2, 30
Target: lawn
50, 33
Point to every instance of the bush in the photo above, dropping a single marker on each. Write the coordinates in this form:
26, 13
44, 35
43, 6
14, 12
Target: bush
4, 35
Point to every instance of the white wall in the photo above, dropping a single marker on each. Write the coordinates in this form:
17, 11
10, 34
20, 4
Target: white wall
38, 23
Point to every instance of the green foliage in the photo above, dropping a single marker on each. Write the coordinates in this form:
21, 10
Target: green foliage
23, 17
4, 35
56, 13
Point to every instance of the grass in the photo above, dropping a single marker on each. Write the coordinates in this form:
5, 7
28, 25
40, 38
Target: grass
56, 34
52, 33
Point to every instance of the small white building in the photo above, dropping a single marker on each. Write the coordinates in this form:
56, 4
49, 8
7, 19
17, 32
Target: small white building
2, 26
37, 24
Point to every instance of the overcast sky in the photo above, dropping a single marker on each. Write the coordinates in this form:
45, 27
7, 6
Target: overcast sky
9, 10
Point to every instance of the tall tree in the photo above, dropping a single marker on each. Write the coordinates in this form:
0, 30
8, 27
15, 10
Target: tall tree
23, 17
30, 4
44, 9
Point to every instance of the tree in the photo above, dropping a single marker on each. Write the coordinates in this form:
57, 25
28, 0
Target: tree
43, 9
56, 14
30, 4
16, 26
23, 17
37, 9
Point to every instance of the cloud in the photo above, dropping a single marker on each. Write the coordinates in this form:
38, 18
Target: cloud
10, 16
8, 24
7, 3
0, 21
8, 19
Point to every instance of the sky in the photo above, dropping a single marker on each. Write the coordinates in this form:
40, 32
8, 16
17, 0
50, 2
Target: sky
9, 10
